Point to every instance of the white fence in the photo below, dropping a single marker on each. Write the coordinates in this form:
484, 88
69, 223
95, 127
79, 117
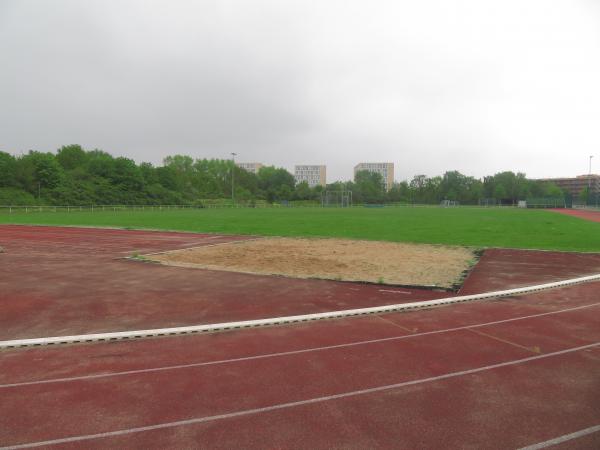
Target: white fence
91, 208
13, 209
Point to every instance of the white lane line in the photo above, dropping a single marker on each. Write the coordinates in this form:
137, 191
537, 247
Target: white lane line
564, 438
288, 320
291, 352
310, 401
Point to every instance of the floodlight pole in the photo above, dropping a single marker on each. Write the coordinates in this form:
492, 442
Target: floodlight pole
233, 177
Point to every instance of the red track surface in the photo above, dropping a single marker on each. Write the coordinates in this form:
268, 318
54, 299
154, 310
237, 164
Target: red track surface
432, 376
594, 216
505, 269
60, 281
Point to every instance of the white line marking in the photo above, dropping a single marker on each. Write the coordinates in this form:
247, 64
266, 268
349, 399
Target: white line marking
564, 438
246, 412
292, 319
291, 352
391, 291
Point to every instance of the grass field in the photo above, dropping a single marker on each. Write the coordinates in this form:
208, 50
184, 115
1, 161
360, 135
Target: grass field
478, 227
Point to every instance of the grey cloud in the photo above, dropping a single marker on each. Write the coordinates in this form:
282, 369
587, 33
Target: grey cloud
477, 86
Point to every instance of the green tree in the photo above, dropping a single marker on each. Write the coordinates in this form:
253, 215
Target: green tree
44, 171
271, 181
303, 191
284, 192
167, 178
7, 170
368, 187
584, 195
183, 166
552, 190
500, 192
71, 157
400, 192
127, 175
100, 164
456, 186
514, 186
149, 174
425, 190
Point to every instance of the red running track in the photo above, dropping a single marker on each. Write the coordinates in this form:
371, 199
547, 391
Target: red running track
499, 374
593, 216
63, 281
509, 268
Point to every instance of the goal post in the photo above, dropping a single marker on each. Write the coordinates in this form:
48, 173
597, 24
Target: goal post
449, 203
487, 202
336, 198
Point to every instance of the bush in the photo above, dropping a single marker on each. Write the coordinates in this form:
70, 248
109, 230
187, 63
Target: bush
16, 197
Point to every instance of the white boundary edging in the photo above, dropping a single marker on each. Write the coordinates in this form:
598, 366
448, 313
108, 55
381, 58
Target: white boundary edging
121, 335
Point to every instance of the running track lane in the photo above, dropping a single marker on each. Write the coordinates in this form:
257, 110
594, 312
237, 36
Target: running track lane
58, 281
593, 216
448, 379
61, 361
53, 281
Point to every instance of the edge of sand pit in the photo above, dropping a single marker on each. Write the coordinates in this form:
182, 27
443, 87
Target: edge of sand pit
431, 266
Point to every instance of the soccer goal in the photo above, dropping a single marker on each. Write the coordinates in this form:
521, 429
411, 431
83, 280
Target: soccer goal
336, 199
449, 203
487, 202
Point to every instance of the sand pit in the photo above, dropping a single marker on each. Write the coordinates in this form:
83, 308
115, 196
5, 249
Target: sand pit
334, 259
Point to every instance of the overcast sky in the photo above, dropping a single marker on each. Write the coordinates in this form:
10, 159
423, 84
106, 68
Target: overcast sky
431, 85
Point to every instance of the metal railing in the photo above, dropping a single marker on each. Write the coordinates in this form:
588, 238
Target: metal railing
17, 209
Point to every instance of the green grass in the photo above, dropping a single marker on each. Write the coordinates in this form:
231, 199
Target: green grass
516, 228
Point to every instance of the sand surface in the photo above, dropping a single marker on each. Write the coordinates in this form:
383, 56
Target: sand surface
334, 259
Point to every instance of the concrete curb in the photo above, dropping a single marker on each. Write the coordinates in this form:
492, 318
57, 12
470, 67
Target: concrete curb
122, 335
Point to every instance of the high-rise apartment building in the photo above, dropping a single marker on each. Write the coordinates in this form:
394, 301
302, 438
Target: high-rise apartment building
313, 175
386, 170
250, 167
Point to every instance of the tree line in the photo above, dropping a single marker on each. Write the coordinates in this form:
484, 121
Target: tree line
74, 176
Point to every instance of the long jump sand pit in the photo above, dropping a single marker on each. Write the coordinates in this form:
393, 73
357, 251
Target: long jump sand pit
334, 259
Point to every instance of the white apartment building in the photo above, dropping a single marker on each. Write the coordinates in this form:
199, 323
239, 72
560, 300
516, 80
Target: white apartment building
313, 175
386, 170
250, 167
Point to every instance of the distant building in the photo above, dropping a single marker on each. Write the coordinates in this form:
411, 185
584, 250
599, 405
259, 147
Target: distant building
250, 167
575, 185
386, 170
313, 175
